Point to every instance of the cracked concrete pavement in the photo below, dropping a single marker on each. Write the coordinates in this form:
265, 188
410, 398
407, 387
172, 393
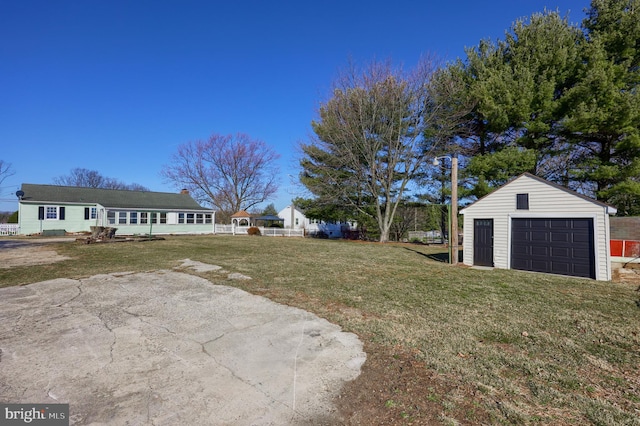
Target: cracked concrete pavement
167, 348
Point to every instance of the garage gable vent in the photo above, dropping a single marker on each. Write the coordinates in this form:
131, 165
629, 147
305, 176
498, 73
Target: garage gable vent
522, 201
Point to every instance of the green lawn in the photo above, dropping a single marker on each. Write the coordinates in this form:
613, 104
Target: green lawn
533, 348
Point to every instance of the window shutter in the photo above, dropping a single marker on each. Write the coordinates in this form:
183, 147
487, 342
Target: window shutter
86, 213
41, 213
61, 213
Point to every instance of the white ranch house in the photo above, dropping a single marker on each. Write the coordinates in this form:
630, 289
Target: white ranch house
55, 210
50, 209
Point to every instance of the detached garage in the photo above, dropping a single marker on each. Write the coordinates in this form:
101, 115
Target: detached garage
532, 224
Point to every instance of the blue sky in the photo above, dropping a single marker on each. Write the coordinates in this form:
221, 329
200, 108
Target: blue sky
115, 86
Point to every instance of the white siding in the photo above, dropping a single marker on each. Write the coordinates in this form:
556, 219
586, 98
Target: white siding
300, 220
75, 221
311, 227
544, 201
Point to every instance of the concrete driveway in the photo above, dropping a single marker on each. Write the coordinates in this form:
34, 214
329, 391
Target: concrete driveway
169, 348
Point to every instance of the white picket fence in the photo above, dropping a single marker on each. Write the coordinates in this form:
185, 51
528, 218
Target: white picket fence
269, 232
13, 229
9, 228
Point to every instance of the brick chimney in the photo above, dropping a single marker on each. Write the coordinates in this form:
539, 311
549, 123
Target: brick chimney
184, 191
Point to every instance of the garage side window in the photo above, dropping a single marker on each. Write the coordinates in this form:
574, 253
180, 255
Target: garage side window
522, 201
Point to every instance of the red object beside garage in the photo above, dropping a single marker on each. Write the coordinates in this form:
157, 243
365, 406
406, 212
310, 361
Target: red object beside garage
616, 247
625, 248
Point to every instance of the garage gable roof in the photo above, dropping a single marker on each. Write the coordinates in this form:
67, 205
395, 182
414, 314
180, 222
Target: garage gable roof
608, 208
112, 198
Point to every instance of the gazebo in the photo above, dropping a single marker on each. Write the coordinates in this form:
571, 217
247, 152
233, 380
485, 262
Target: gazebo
242, 218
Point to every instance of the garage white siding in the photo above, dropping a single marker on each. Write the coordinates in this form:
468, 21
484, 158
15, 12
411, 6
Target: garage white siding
546, 200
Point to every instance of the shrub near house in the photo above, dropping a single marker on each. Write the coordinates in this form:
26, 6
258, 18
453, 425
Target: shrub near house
253, 231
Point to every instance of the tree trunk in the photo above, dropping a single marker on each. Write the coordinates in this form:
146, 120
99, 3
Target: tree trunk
384, 233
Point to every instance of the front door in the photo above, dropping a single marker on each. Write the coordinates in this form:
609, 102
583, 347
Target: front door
483, 242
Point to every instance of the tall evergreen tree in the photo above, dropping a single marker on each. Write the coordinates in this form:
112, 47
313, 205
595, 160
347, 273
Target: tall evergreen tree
603, 107
560, 101
517, 85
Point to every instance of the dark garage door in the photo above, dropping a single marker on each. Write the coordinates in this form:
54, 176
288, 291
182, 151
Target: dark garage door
557, 246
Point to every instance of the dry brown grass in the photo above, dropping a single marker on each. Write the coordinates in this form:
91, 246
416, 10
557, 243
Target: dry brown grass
445, 344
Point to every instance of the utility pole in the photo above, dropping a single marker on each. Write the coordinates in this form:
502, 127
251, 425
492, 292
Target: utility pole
453, 238
453, 209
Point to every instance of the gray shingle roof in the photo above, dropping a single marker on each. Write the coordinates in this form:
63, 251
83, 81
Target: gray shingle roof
610, 209
114, 198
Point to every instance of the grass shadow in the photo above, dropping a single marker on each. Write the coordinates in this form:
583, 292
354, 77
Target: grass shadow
442, 257
438, 257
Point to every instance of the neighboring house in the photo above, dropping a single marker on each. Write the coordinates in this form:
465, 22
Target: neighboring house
535, 225
295, 216
51, 208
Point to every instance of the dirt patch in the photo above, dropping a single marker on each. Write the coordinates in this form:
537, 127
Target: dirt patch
28, 255
629, 274
395, 387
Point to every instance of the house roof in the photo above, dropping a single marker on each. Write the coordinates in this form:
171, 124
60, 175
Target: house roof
270, 217
295, 208
111, 198
609, 208
241, 213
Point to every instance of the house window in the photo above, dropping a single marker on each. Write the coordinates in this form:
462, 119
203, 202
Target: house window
52, 213
154, 217
133, 218
143, 218
296, 221
193, 218
111, 217
522, 201
90, 213
122, 218
163, 218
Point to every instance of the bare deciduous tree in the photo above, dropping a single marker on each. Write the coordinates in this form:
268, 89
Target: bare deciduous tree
81, 177
5, 170
230, 172
93, 179
370, 140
